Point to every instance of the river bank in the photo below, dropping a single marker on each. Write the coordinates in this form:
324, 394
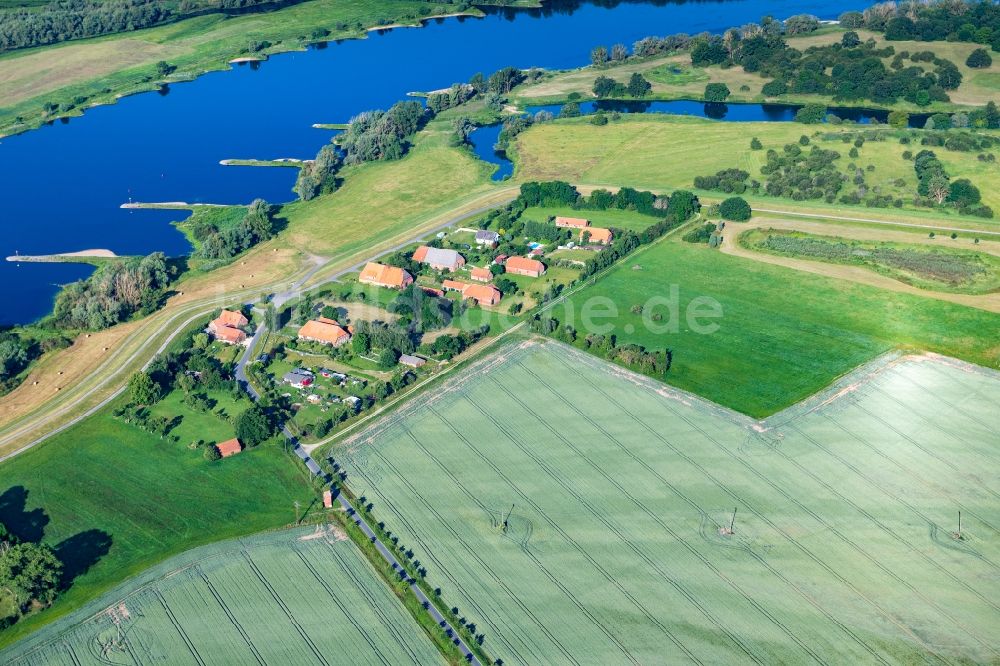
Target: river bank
73, 77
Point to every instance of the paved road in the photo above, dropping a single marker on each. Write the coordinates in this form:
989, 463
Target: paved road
199, 310
249, 354
296, 290
386, 554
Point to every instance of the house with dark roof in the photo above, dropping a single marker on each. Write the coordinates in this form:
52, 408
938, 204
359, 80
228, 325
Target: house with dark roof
439, 259
298, 378
487, 237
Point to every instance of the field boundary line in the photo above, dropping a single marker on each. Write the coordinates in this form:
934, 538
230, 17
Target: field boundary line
888, 223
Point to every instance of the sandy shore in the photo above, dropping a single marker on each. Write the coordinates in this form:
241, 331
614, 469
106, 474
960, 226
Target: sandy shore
62, 256
168, 205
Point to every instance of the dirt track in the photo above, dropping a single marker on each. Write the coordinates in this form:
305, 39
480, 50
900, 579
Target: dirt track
859, 274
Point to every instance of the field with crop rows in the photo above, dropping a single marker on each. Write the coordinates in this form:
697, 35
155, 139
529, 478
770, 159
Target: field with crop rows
290, 597
621, 487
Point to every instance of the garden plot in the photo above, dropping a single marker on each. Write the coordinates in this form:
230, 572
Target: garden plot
621, 491
291, 597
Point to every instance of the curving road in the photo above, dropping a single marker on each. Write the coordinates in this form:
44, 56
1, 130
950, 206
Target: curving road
70, 407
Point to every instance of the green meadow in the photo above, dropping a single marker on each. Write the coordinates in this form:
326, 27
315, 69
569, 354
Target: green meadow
114, 500
783, 334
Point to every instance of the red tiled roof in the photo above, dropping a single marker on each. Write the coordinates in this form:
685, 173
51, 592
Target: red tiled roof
525, 265
230, 447
231, 318
481, 274
483, 294
454, 285
324, 330
385, 276
597, 235
576, 222
227, 333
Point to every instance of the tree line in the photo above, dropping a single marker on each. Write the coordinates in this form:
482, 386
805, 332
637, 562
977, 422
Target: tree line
954, 21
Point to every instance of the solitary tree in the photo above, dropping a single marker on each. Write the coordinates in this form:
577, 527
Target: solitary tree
735, 208
979, 59
253, 426
142, 389
598, 56
716, 92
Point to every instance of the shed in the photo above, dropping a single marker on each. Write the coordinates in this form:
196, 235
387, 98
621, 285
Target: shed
412, 361
230, 447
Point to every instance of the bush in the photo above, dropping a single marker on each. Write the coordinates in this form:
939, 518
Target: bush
716, 92
810, 114
755, 144
979, 59
736, 209
774, 88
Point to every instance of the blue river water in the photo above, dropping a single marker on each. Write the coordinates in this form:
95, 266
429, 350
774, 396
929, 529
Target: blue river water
63, 184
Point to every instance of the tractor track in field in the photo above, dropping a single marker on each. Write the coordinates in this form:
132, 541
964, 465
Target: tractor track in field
475, 556
266, 584
905, 470
801, 548
885, 528
366, 593
849, 542
951, 405
232, 618
177, 625
545, 571
555, 526
833, 530
691, 549
719, 626
336, 600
